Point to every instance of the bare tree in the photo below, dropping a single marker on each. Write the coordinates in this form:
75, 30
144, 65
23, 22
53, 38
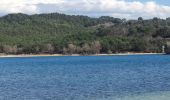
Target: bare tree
96, 47
86, 48
48, 48
65, 51
71, 48
10, 49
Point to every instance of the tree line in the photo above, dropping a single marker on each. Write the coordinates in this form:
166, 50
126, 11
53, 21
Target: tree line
69, 34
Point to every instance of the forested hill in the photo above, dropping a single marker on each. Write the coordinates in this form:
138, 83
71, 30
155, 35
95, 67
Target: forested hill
69, 34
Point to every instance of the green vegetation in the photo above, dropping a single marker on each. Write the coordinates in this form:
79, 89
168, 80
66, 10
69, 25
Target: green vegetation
69, 34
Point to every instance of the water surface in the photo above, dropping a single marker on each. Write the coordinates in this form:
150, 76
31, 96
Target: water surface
139, 77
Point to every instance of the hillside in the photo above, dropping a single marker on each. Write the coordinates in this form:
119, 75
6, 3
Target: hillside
68, 34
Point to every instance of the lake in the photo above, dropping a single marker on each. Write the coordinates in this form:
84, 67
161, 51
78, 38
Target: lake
135, 77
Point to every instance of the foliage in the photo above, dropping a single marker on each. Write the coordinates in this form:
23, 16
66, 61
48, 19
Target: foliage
68, 34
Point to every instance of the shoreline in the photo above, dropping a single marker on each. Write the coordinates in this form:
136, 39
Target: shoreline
59, 55
160, 95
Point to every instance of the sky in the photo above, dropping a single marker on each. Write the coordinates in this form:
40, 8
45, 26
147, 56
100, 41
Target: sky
130, 9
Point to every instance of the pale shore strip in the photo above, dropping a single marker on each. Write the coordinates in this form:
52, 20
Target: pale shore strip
51, 55
146, 96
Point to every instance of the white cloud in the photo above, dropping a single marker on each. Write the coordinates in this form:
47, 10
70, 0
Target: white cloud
115, 8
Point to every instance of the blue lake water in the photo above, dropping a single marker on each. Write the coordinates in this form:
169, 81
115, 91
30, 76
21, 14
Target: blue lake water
85, 78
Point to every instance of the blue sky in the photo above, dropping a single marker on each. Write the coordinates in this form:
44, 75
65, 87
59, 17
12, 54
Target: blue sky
130, 9
163, 2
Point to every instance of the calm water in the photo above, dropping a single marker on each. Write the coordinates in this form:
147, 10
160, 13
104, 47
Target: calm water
85, 78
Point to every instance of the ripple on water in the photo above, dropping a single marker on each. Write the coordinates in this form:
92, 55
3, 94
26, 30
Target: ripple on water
144, 77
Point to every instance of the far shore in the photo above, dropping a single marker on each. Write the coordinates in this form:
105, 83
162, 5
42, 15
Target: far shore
46, 55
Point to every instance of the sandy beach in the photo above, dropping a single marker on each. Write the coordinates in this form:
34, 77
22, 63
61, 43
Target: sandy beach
145, 96
48, 55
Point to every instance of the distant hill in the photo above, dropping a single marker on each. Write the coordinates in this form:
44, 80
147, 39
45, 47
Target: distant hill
60, 33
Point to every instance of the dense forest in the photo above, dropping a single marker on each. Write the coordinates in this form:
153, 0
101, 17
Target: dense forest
71, 34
